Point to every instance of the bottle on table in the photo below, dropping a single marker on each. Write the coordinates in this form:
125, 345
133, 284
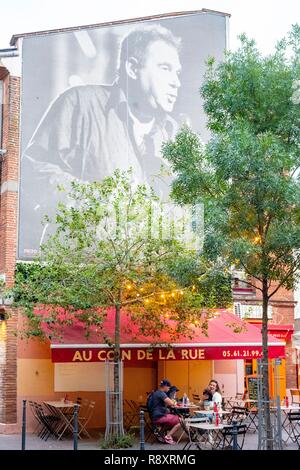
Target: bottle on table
287, 401
184, 399
215, 414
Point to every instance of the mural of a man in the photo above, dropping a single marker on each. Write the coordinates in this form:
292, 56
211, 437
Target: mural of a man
91, 130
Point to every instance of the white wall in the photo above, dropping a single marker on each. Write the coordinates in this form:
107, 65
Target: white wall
79, 377
230, 376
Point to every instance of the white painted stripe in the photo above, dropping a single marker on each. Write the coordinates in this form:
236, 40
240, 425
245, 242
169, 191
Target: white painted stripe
147, 345
9, 185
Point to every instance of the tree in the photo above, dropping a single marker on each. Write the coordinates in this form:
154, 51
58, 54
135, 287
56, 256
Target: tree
112, 249
247, 174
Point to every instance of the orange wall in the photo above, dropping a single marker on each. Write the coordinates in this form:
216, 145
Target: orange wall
189, 376
36, 382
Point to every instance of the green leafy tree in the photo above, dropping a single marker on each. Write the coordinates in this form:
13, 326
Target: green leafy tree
247, 174
113, 249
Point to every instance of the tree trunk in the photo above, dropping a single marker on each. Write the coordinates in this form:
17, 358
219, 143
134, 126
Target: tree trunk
117, 332
116, 405
265, 368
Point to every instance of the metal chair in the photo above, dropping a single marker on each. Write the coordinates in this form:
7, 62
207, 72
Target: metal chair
194, 435
239, 396
48, 422
58, 423
83, 421
227, 443
83, 407
294, 420
79, 402
252, 419
149, 431
130, 414
196, 397
35, 414
239, 413
295, 393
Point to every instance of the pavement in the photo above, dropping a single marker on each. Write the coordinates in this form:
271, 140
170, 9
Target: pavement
33, 442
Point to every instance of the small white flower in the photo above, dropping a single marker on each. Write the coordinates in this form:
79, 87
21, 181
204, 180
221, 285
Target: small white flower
296, 84
296, 97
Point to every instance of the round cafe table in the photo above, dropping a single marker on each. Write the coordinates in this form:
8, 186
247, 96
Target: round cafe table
184, 409
211, 432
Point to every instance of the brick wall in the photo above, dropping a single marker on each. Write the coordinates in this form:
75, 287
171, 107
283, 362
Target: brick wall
8, 239
283, 306
8, 397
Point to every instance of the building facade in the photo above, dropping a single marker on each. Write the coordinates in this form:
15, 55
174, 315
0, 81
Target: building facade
27, 370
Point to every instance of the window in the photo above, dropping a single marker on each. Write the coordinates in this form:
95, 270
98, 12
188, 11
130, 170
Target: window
250, 311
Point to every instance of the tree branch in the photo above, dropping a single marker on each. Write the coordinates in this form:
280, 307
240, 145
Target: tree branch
289, 274
252, 275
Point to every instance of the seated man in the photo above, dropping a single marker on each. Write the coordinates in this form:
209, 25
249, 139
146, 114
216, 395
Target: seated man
160, 413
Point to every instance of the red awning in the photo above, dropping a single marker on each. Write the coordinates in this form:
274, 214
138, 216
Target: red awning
283, 332
221, 343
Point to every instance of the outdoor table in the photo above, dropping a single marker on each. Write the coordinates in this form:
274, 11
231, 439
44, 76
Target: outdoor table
189, 406
212, 432
184, 409
64, 410
210, 412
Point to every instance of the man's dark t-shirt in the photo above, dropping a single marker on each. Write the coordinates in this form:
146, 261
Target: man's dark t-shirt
159, 407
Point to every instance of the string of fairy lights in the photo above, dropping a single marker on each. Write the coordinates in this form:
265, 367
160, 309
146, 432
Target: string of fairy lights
142, 294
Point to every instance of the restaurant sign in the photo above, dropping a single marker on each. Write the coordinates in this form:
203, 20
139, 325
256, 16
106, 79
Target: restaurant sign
282, 332
92, 354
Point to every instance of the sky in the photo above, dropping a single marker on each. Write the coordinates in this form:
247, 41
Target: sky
266, 21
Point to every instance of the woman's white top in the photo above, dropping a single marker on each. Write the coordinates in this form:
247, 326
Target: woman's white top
217, 397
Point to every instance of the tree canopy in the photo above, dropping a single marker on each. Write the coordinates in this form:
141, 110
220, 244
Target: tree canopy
248, 174
112, 250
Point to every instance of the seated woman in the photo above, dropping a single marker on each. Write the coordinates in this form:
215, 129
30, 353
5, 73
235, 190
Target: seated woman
172, 393
211, 395
215, 390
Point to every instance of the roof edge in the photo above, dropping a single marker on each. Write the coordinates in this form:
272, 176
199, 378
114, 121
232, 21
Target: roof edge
16, 37
174, 345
